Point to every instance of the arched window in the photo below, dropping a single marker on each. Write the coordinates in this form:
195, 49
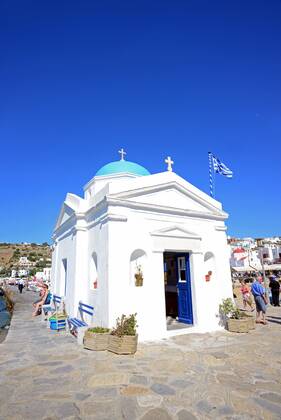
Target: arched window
137, 268
93, 272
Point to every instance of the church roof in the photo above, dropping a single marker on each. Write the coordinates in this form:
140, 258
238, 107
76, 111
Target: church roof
122, 166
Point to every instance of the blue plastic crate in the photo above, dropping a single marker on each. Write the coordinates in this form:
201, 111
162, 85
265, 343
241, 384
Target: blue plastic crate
58, 324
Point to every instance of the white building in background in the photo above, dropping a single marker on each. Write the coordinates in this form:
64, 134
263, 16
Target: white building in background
19, 273
44, 275
24, 262
23, 272
160, 225
249, 254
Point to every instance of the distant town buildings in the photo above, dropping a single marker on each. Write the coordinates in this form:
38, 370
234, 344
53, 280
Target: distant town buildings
44, 275
249, 254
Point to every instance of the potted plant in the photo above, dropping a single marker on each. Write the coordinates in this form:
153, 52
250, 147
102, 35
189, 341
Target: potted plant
234, 318
96, 338
124, 339
138, 276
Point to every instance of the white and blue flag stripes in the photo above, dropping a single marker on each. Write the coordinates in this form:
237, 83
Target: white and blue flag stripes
221, 168
216, 166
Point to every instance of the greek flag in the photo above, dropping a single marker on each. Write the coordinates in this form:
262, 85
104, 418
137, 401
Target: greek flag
221, 168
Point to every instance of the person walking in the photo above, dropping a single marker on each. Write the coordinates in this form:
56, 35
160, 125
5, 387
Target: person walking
246, 295
275, 290
21, 285
258, 292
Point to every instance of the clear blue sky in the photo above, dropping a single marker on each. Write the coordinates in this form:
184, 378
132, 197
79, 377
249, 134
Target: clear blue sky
80, 79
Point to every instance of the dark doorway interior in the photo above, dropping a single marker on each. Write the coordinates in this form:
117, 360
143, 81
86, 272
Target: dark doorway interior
178, 294
171, 282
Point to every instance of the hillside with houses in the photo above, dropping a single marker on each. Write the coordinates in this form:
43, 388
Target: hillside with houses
25, 260
251, 254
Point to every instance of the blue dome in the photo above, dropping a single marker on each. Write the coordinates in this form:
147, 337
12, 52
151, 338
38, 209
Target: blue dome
122, 166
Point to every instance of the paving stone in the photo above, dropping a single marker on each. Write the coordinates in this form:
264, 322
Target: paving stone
186, 415
163, 389
54, 363
62, 369
32, 410
220, 355
181, 383
273, 397
205, 406
225, 410
153, 400
104, 393
129, 408
108, 379
273, 408
67, 409
131, 390
98, 410
156, 414
82, 396
139, 379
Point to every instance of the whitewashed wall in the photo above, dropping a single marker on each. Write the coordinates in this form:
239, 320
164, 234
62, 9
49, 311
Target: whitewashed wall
114, 232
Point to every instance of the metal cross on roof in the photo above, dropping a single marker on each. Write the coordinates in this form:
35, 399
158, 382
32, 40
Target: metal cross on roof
170, 162
122, 153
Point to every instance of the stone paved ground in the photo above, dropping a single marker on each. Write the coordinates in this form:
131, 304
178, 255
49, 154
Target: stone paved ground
45, 375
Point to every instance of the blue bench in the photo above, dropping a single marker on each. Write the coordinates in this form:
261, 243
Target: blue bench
77, 326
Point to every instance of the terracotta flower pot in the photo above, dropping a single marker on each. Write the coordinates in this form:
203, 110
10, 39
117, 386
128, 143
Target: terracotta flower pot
138, 280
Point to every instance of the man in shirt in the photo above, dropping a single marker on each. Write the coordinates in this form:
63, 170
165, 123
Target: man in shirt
258, 292
275, 290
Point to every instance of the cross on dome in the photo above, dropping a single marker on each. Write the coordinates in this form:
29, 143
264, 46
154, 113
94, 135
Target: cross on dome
170, 162
122, 153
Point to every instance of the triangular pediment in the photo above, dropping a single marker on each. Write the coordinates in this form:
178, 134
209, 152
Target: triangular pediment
172, 195
65, 214
72, 205
175, 231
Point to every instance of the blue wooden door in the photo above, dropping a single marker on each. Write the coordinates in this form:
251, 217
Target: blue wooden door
184, 290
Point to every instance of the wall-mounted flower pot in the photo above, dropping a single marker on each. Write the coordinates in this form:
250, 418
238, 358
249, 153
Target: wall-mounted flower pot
138, 280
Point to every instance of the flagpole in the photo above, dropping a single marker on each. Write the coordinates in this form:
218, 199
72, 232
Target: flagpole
211, 177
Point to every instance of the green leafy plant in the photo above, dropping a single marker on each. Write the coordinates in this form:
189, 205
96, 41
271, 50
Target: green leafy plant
229, 310
126, 325
99, 330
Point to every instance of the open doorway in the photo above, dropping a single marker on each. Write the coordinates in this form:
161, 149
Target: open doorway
178, 295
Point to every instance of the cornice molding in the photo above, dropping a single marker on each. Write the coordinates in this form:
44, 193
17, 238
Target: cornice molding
221, 228
165, 209
108, 217
167, 186
175, 231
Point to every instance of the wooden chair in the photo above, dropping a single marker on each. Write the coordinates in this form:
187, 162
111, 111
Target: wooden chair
78, 326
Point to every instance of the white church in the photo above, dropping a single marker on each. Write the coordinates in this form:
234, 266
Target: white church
151, 244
